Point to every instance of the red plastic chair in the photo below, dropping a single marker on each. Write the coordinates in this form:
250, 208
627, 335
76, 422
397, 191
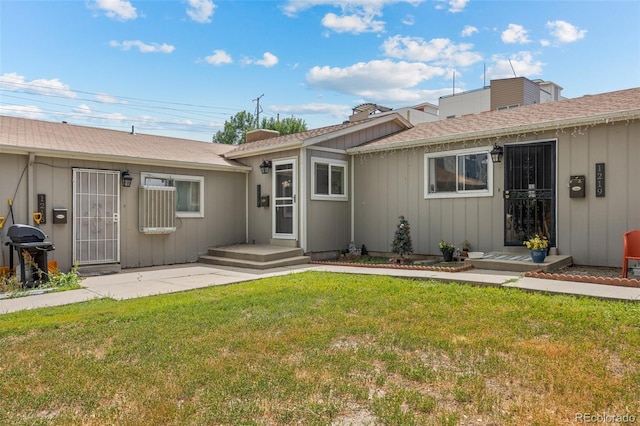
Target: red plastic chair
631, 240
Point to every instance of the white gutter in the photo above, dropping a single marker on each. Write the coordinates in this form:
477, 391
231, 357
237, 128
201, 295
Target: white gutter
608, 118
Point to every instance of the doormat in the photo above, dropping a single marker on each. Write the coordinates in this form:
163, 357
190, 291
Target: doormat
502, 256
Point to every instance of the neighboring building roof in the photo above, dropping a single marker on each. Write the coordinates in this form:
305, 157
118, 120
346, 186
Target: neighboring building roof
310, 137
21, 135
584, 111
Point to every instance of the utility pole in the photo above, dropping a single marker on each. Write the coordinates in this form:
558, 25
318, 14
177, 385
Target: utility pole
258, 110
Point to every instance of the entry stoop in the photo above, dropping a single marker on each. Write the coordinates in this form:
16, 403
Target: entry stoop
519, 263
255, 256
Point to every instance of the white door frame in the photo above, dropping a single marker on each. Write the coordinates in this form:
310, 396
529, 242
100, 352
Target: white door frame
285, 205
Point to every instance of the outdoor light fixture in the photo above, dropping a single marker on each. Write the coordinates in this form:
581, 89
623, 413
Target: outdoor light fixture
126, 179
265, 167
496, 153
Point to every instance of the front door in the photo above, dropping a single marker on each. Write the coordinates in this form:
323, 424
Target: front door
285, 212
530, 192
96, 216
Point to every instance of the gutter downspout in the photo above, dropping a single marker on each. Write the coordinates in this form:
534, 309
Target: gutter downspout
30, 188
353, 201
303, 198
246, 208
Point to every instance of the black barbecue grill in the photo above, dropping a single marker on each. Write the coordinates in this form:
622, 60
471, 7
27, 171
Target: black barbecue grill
32, 249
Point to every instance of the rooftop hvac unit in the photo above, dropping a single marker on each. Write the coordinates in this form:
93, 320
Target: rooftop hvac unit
157, 209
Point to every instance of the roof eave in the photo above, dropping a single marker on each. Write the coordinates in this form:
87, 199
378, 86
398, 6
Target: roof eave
9, 149
605, 118
264, 150
366, 124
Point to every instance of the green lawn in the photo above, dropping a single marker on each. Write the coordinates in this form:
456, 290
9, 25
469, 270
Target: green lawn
322, 348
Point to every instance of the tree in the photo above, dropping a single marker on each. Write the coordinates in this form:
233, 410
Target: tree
286, 126
236, 128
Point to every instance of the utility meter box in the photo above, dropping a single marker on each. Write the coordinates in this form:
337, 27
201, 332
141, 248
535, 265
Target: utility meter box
576, 186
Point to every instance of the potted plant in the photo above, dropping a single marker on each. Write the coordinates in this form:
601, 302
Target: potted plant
466, 246
537, 248
447, 250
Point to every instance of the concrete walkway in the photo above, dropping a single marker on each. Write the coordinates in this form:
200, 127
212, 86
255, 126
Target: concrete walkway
143, 282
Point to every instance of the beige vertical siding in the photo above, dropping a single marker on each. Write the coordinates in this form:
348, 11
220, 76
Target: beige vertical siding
590, 229
224, 221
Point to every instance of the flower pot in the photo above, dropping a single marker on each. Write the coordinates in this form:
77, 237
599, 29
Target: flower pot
538, 255
448, 256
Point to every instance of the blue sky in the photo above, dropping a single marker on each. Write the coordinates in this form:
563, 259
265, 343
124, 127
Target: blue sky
181, 68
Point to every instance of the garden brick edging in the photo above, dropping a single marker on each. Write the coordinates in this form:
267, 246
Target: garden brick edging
617, 281
395, 266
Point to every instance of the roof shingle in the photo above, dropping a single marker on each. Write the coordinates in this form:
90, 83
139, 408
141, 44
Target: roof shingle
60, 139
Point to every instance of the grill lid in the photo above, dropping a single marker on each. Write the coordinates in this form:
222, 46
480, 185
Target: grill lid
25, 234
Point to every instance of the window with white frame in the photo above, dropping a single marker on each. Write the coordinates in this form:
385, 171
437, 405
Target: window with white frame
189, 191
328, 179
464, 173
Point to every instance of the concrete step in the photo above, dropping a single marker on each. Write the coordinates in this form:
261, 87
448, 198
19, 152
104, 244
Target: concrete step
255, 252
551, 263
254, 264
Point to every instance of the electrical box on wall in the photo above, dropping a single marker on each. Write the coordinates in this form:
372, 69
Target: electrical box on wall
576, 186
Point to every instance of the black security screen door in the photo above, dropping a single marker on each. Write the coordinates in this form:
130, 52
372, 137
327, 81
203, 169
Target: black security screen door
530, 192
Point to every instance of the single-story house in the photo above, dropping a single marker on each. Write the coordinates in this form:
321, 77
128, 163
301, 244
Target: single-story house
185, 195
566, 172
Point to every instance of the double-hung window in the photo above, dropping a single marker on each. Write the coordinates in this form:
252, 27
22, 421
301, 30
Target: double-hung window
328, 179
189, 191
463, 173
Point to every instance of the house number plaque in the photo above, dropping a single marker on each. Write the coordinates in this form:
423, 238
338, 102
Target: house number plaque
600, 179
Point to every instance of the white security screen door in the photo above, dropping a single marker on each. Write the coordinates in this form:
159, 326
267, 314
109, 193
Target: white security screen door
285, 212
96, 216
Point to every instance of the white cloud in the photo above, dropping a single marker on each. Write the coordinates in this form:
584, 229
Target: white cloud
17, 83
268, 60
82, 109
356, 23
523, 64
515, 34
565, 32
357, 16
366, 78
293, 7
117, 9
453, 6
108, 99
201, 10
456, 6
441, 51
142, 47
219, 57
468, 31
409, 20
25, 111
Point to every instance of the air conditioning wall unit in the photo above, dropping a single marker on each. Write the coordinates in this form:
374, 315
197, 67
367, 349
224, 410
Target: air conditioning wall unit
157, 209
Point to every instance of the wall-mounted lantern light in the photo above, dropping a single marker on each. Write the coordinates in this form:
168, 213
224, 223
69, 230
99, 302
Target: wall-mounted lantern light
126, 179
497, 153
265, 167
